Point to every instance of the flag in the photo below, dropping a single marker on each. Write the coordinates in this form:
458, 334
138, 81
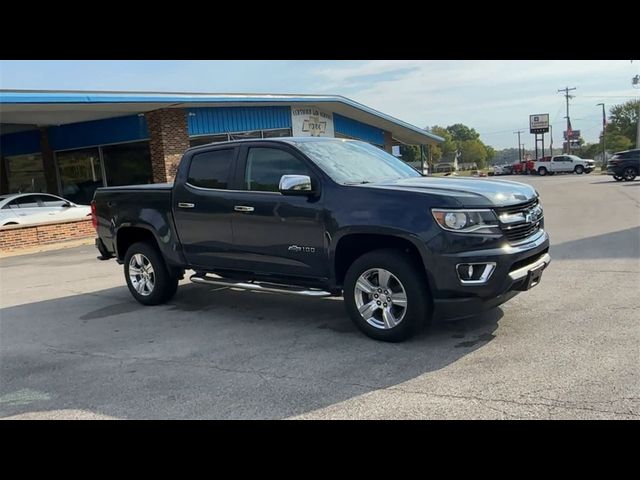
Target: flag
569, 130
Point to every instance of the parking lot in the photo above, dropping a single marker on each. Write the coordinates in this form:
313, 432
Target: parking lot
74, 344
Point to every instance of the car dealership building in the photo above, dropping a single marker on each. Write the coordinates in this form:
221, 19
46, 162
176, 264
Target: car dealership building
70, 143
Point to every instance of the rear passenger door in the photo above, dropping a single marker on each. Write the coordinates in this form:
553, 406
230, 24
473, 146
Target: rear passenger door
203, 206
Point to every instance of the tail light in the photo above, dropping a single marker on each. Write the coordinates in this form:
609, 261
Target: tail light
94, 215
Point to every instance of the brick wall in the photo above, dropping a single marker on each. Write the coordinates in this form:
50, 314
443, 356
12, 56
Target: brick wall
168, 139
24, 236
388, 141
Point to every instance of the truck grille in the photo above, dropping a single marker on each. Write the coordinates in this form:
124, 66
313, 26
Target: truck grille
517, 232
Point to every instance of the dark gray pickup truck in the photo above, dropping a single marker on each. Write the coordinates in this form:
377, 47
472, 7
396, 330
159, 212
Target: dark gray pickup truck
319, 217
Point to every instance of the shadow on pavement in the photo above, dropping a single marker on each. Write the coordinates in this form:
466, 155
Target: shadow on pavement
620, 244
209, 353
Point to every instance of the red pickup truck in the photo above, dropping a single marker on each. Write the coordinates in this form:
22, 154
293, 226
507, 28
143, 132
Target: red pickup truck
523, 167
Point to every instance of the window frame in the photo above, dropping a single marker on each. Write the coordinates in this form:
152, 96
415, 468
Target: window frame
210, 148
241, 165
245, 185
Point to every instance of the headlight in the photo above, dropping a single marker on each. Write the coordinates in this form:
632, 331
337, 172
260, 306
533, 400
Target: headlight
467, 221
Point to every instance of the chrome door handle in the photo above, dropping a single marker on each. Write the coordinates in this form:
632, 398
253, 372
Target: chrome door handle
186, 205
243, 208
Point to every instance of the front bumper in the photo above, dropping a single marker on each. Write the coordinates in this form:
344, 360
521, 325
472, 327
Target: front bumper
454, 300
617, 170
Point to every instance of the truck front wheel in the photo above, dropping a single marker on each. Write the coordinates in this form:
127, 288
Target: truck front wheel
579, 169
386, 295
147, 275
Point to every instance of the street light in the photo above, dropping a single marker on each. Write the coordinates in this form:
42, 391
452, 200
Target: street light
604, 128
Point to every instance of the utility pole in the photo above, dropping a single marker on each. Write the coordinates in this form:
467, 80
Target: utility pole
551, 140
566, 91
635, 82
604, 127
519, 151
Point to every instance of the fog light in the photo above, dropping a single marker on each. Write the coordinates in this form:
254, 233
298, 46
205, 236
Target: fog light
475, 273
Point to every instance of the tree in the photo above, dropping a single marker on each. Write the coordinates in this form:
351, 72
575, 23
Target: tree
445, 150
623, 121
473, 151
491, 154
618, 143
461, 133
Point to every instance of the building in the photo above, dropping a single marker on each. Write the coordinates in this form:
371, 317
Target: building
71, 142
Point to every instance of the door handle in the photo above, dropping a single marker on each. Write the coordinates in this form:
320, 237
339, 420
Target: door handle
243, 208
186, 205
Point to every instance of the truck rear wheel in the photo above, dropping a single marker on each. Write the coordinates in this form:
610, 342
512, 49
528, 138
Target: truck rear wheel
147, 275
542, 171
386, 295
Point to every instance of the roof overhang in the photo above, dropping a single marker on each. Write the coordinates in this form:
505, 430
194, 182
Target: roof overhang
46, 108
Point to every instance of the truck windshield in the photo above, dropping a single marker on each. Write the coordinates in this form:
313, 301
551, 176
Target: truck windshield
353, 162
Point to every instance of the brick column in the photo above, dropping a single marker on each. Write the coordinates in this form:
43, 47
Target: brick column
4, 180
168, 139
48, 162
388, 141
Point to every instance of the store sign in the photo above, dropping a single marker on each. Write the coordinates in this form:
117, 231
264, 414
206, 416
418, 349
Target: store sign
310, 121
539, 123
575, 135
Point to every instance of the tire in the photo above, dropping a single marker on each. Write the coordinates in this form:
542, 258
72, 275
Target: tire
159, 286
618, 178
404, 277
579, 169
629, 174
588, 171
542, 171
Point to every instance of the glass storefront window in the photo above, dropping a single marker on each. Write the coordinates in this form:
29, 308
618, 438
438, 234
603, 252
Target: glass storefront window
203, 140
25, 173
127, 164
245, 135
80, 174
281, 132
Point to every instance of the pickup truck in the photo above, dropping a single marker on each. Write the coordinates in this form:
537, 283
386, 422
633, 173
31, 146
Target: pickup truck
327, 217
563, 164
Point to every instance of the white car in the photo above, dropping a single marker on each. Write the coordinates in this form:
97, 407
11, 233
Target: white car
29, 208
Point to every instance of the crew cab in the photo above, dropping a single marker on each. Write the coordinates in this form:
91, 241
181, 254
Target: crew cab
327, 217
563, 164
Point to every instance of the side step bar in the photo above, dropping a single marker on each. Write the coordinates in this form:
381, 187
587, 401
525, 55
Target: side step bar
256, 287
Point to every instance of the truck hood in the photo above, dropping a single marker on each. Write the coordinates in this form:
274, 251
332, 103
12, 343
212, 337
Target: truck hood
468, 191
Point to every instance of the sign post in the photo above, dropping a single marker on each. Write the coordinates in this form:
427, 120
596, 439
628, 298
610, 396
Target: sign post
539, 124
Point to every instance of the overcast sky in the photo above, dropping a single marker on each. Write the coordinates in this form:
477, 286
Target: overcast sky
495, 97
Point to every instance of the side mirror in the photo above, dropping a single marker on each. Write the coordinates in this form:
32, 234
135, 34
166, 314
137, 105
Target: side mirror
295, 185
67, 205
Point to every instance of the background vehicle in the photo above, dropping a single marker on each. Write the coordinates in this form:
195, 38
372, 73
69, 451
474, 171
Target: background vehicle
502, 169
563, 164
624, 165
323, 216
28, 208
523, 167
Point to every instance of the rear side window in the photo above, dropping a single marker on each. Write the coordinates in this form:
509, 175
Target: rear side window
211, 169
265, 167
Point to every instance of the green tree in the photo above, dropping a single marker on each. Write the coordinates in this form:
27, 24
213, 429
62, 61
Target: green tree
461, 133
473, 151
446, 150
623, 120
617, 142
491, 154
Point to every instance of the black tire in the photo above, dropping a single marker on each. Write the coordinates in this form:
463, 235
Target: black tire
542, 171
617, 178
588, 171
579, 169
165, 284
412, 278
629, 174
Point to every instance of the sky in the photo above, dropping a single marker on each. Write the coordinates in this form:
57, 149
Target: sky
495, 97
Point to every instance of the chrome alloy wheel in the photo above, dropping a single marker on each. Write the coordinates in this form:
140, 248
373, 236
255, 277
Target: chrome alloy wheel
141, 274
380, 298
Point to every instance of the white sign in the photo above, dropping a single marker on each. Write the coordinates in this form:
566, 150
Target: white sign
539, 123
310, 121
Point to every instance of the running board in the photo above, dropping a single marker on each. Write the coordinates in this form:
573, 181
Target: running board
256, 287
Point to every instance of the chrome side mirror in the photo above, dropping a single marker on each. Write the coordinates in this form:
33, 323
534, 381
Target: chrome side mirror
295, 185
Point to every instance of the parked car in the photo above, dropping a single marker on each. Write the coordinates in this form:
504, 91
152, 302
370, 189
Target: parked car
624, 165
502, 169
523, 167
327, 217
563, 164
28, 208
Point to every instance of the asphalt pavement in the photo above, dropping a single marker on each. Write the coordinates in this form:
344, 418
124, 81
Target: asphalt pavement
74, 344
